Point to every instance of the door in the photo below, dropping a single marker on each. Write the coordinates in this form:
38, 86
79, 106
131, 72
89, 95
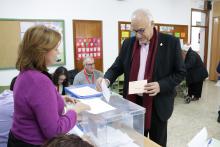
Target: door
88, 42
215, 49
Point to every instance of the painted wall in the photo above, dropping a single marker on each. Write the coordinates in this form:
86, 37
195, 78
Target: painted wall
109, 11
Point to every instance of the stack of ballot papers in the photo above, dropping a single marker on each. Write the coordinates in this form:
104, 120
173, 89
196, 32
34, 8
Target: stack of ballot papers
83, 92
111, 137
97, 105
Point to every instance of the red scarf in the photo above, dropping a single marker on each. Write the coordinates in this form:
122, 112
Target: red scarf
147, 100
87, 77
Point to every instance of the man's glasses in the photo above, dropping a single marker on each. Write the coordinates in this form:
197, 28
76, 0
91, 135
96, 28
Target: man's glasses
91, 64
139, 31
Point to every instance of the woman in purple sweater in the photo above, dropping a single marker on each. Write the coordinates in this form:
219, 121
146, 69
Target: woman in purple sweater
38, 107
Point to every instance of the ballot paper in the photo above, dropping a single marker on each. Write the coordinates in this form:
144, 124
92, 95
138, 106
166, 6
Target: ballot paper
115, 138
105, 91
76, 130
136, 87
218, 83
200, 139
212, 142
97, 105
84, 92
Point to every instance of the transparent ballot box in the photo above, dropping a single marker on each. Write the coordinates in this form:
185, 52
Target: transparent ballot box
120, 125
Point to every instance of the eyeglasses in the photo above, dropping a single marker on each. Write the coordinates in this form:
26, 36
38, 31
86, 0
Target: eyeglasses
90, 64
139, 31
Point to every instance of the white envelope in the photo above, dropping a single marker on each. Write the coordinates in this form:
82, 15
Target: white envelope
136, 87
105, 91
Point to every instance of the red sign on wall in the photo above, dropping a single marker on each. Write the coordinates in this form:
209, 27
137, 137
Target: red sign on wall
88, 47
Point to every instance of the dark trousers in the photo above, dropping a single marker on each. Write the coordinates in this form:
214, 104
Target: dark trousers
195, 89
158, 129
14, 142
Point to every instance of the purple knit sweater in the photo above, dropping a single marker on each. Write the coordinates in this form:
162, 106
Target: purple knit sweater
38, 109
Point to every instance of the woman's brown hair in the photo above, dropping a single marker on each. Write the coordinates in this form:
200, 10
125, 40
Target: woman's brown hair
37, 41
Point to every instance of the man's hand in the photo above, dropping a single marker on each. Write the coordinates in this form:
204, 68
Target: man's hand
152, 88
99, 83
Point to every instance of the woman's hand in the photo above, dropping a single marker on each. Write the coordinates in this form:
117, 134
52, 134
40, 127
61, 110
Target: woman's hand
69, 99
79, 107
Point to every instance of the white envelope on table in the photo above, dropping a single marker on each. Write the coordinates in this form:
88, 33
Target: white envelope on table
136, 87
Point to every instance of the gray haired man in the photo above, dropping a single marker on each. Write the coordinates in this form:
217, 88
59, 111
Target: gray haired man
89, 74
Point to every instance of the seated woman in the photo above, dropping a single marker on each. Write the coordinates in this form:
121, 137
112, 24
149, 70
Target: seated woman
39, 112
89, 74
67, 141
61, 79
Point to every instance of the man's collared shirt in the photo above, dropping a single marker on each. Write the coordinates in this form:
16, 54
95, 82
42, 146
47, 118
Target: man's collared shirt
143, 58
